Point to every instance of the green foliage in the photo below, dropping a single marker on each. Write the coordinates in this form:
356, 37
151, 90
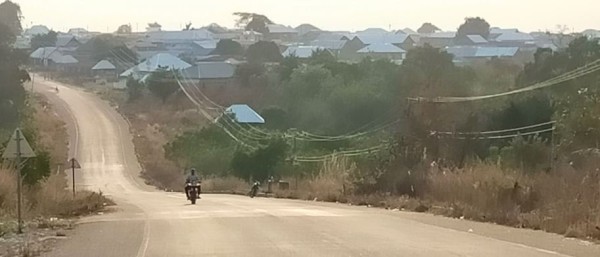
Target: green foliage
277, 118
428, 28
264, 51
134, 89
44, 40
532, 154
253, 22
210, 150
229, 47
260, 164
37, 168
106, 47
474, 26
124, 29
162, 84
287, 67
10, 15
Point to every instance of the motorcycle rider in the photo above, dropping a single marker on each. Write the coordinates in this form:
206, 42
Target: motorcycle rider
254, 189
191, 179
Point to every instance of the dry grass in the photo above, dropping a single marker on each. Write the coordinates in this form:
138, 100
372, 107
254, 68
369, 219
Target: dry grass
225, 185
51, 132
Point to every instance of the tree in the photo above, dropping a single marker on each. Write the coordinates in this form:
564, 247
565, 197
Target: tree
12, 93
188, 26
10, 15
249, 71
42, 40
162, 84
124, 29
134, 88
264, 51
229, 47
474, 26
261, 163
428, 28
287, 67
253, 22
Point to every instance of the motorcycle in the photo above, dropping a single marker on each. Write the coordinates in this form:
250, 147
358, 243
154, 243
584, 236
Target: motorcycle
254, 190
193, 191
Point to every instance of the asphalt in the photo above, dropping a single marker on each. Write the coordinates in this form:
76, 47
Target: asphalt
147, 222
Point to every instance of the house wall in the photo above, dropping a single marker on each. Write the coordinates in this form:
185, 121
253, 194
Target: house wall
349, 51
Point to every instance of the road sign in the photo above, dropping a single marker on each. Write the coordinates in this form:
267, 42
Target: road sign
74, 164
11, 150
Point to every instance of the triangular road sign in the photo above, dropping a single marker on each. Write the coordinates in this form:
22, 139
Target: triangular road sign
74, 164
11, 148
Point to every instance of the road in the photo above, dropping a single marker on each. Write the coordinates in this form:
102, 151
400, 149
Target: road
149, 223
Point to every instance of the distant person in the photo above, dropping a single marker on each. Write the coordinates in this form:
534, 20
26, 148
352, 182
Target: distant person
191, 179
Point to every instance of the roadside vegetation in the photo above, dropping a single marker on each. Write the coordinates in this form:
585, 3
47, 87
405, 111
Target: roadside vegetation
46, 199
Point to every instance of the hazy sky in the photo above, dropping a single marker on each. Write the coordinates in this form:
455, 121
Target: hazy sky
107, 15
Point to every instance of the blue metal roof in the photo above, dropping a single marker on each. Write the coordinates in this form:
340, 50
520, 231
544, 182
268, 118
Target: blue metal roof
244, 114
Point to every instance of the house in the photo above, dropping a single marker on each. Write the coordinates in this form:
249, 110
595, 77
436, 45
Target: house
242, 113
334, 46
591, 33
470, 40
36, 30
513, 39
438, 39
43, 55
65, 64
179, 36
303, 52
278, 32
67, 42
152, 64
382, 51
380, 37
248, 38
474, 54
105, 69
211, 75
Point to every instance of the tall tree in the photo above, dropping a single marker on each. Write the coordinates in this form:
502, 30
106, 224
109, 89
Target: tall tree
44, 40
474, 26
162, 84
10, 15
253, 22
12, 93
428, 28
264, 51
124, 29
228, 47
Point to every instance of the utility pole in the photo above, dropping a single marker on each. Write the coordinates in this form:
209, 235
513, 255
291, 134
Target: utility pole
18, 160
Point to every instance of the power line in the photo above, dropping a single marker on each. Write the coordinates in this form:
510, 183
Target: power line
577, 73
497, 131
507, 136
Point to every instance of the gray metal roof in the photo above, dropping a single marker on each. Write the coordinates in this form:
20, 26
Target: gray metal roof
161, 60
65, 59
301, 51
36, 30
514, 36
45, 53
63, 40
375, 38
210, 70
104, 65
477, 39
448, 34
329, 44
207, 44
244, 114
461, 52
382, 48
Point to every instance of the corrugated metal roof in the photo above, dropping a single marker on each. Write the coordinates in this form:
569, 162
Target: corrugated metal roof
104, 65
460, 52
382, 48
301, 51
514, 36
37, 30
390, 38
63, 40
448, 34
207, 44
210, 70
244, 114
161, 60
65, 59
45, 53
329, 44
477, 39
278, 28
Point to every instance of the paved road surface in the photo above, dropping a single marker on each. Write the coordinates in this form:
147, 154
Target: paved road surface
153, 223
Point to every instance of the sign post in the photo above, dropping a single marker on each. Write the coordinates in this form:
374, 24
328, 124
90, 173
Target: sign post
18, 148
74, 165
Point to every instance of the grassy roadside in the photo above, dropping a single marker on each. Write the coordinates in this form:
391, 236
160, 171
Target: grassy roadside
48, 206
